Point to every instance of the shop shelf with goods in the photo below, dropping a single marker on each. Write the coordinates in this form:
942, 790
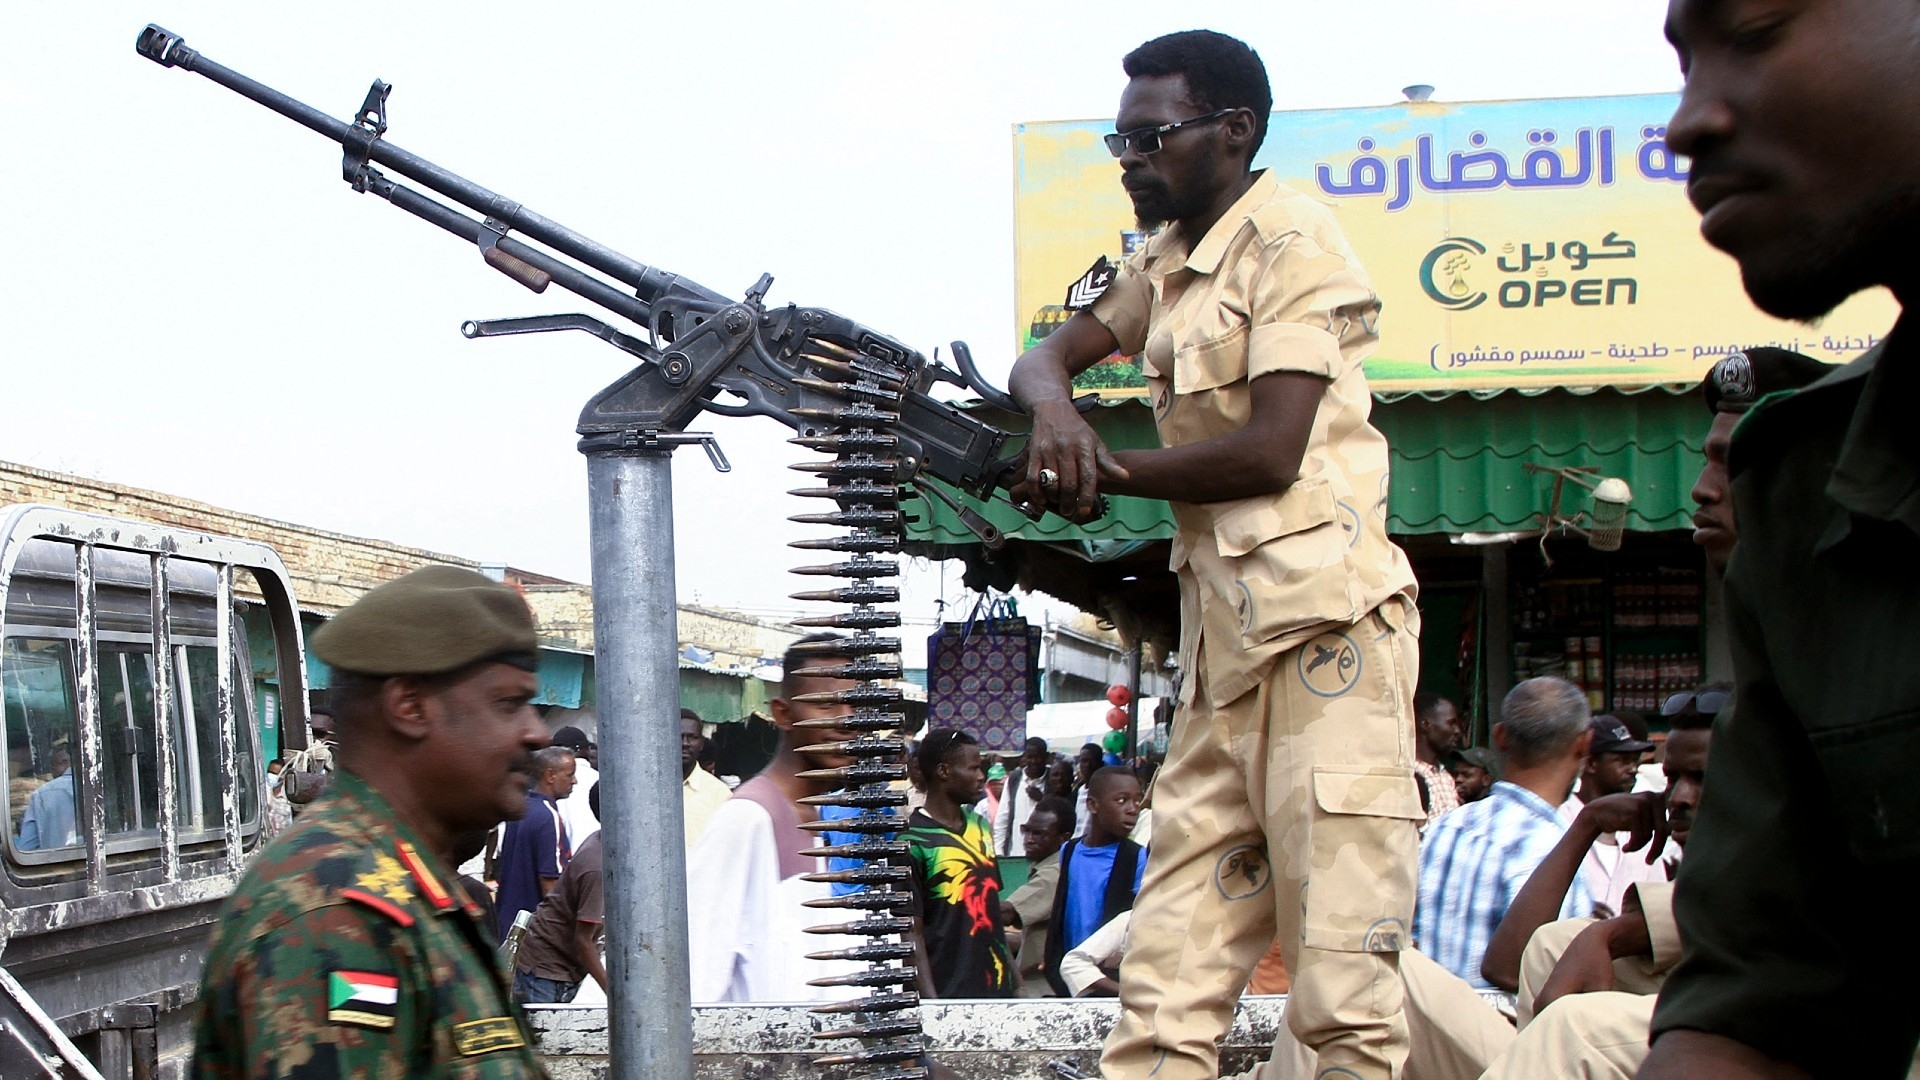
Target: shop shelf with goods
1627, 628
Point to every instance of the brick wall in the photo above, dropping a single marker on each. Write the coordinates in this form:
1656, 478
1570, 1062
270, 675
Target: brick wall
329, 570
565, 613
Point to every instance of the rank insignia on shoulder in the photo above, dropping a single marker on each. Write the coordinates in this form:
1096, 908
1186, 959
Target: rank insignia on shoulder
1082, 293
362, 998
485, 1036
384, 907
430, 886
387, 879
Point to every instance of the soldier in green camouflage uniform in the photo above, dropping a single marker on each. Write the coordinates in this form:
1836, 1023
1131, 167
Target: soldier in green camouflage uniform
347, 951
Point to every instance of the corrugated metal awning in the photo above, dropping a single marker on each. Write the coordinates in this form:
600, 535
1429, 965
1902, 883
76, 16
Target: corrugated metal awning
1458, 464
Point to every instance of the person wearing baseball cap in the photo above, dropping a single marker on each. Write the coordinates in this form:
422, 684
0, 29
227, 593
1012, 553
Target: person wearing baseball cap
576, 810
1474, 769
996, 787
348, 946
1613, 764
1612, 759
1732, 387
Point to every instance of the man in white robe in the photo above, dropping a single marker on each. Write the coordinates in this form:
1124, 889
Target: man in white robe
745, 919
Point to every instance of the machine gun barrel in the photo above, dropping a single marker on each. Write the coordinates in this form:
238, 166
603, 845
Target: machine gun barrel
818, 372
649, 283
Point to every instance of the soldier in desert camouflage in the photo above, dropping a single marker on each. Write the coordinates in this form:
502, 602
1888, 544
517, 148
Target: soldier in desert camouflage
1287, 808
348, 949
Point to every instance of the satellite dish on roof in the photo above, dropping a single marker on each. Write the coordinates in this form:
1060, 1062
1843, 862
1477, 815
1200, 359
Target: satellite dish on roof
1418, 92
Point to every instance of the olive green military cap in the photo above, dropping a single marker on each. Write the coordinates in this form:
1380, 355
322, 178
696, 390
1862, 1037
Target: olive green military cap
433, 620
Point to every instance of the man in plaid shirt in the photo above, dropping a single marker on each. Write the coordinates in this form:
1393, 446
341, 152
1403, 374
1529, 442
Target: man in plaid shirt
1474, 861
1436, 734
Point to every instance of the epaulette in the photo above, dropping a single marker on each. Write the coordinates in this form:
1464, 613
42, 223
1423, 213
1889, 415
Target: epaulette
430, 886
387, 888
397, 880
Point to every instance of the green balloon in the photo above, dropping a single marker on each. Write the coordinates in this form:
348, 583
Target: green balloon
1114, 742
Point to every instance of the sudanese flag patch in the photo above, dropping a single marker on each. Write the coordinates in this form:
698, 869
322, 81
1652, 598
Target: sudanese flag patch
365, 998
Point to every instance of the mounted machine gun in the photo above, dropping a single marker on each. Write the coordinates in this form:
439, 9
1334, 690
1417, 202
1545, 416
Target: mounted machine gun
846, 389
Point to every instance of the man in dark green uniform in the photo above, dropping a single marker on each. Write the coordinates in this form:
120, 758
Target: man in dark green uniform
1731, 387
348, 950
1802, 120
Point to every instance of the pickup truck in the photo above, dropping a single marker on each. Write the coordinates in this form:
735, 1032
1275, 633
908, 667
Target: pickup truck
134, 777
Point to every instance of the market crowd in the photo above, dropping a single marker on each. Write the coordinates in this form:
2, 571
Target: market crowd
1600, 803
1687, 903
1073, 830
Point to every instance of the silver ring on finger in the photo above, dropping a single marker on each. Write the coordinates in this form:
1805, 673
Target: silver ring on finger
1049, 479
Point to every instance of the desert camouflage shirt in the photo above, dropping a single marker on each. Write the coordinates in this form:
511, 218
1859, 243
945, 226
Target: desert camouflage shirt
343, 954
1272, 287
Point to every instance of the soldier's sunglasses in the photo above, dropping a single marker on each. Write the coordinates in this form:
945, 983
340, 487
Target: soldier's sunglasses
1146, 140
1706, 702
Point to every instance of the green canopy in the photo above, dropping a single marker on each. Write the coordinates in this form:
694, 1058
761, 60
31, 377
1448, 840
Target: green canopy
1459, 462
1458, 466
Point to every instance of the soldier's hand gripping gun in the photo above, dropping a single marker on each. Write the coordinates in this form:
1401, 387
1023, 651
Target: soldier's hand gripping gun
818, 372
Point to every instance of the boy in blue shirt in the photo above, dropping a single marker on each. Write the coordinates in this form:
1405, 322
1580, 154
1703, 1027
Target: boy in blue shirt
1100, 872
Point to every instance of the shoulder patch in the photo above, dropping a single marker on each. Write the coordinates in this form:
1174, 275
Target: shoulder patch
362, 998
1082, 293
477, 1037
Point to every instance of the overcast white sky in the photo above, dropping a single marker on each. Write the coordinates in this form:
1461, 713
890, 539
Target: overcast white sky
196, 303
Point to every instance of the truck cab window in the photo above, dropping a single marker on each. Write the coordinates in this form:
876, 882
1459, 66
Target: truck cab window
131, 747
199, 742
40, 733
49, 782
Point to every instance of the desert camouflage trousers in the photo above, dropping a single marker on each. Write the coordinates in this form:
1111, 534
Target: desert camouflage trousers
1289, 815
1453, 1033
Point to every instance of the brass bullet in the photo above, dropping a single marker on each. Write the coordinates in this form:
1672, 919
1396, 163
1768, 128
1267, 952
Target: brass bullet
869, 900
859, 695
856, 645
862, 849
860, 542
852, 620
867, 668
862, 567
871, 721
866, 772
856, 440
865, 875
877, 952
879, 926
862, 800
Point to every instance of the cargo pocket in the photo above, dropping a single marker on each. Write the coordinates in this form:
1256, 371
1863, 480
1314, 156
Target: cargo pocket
1869, 768
1364, 859
1288, 560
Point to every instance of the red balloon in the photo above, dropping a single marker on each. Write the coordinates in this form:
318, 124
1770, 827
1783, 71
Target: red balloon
1116, 718
1118, 695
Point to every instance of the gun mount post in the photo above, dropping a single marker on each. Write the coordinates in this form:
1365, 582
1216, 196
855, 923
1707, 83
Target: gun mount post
649, 996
